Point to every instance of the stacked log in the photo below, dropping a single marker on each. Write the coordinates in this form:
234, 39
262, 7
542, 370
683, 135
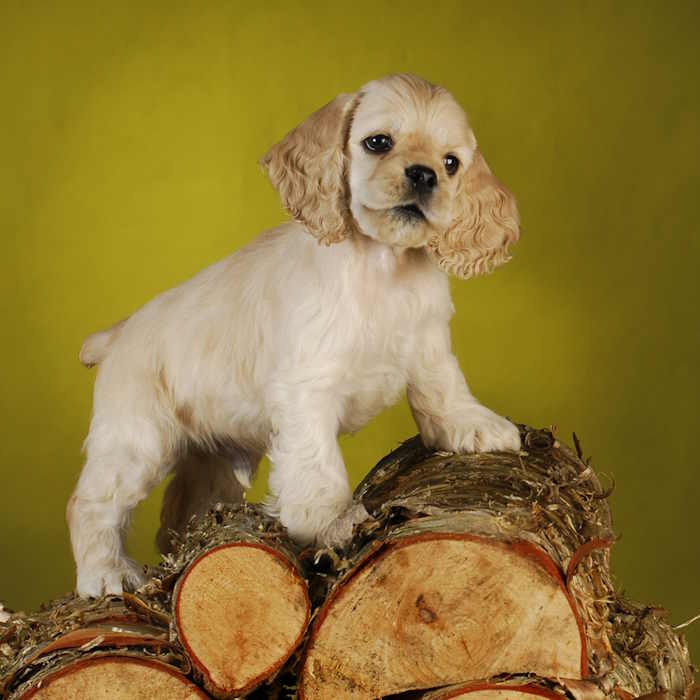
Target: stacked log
483, 576
75, 646
222, 615
479, 566
240, 606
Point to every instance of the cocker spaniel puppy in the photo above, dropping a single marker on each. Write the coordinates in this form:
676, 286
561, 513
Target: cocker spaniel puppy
306, 333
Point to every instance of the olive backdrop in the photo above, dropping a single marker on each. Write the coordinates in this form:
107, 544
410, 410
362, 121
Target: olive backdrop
129, 139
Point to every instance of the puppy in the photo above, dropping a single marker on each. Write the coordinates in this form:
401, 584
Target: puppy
287, 343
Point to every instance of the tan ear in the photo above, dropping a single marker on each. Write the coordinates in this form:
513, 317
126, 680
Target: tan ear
308, 166
485, 223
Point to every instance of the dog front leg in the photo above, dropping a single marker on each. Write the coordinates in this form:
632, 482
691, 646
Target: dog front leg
448, 415
308, 482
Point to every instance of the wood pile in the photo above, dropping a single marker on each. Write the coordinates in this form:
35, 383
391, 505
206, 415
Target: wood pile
483, 575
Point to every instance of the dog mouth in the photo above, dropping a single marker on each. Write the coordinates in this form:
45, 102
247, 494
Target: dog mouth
409, 212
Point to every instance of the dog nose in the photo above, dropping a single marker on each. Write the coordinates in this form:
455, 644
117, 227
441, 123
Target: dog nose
422, 178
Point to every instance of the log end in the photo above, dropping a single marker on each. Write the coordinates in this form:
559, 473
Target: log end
124, 677
240, 610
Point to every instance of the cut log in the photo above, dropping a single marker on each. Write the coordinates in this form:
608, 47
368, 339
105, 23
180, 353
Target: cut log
461, 572
443, 607
110, 647
518, 688
472, 566
241, 606
493, 693
648, 656
113, 676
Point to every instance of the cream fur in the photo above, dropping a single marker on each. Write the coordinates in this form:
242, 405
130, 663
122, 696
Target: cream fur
286, 343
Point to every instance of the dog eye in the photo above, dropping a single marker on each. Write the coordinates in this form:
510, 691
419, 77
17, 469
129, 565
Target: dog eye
379, 143
451, 163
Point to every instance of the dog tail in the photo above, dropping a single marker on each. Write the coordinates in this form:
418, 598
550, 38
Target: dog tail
96, 346
201, 480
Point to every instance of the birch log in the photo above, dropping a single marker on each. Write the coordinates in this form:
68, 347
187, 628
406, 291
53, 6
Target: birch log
240, 606
475, 566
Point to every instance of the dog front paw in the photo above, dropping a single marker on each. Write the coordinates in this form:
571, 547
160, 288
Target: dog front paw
109, 580
339, 532
478, 430
306, 522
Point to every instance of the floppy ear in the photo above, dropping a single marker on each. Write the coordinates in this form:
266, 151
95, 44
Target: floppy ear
484, 224
308, 167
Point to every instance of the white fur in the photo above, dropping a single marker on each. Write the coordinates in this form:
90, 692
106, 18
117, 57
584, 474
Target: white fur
274, 350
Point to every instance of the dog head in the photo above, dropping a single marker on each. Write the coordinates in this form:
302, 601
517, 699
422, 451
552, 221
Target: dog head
398, 162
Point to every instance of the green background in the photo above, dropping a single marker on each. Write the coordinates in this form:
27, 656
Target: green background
130, 134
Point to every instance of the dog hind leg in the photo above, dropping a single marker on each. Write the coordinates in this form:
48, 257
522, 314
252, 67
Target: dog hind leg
126, 458
201, 480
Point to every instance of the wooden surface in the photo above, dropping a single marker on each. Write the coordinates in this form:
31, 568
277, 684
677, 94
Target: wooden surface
240, 611
438, 609
115, 678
